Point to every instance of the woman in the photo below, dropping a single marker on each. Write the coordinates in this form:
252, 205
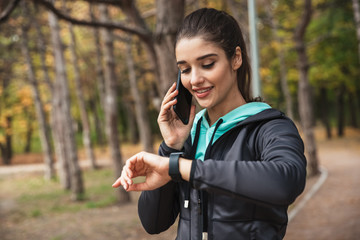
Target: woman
241, 162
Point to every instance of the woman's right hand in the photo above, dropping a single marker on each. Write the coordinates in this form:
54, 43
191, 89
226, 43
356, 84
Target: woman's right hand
173, 131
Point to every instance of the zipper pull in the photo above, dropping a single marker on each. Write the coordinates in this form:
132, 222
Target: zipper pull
186, 203
199, 206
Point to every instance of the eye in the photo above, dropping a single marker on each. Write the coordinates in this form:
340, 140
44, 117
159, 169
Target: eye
207, 66
186, 70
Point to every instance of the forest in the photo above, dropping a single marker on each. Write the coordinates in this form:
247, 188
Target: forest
84, 74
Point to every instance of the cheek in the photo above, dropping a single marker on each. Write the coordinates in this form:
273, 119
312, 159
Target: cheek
221, 74
186, 82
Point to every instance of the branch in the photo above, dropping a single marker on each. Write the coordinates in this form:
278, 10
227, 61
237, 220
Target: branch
107, 2
8, 10
109, 25
305, 20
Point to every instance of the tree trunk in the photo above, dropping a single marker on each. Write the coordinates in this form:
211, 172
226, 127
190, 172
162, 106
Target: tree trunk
65, 120
100, 82
97, 122
353, 110
99, 66
111, 114
140, 106
40, 114
304, 91
59, 141
131, 121
169, 15
356, 9
281, 57
80, 98
29, 131
340, 110
6, 148
160, 45
41, 46
325, 111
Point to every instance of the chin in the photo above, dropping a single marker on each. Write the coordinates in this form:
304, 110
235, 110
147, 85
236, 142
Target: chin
203, 104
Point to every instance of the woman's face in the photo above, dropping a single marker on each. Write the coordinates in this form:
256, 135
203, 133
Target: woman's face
209, 75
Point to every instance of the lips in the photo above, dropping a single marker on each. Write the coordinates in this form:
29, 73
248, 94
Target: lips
202, 92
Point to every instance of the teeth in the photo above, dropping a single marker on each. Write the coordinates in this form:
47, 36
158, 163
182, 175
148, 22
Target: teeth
203, 90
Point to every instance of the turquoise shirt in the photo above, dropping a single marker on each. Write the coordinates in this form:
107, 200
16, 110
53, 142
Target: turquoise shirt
230, 120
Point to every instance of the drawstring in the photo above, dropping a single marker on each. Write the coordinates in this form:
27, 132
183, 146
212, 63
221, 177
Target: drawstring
193, 152
208, 149
205, 194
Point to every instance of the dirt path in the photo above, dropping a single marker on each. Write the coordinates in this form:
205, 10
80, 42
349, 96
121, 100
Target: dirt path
334, 211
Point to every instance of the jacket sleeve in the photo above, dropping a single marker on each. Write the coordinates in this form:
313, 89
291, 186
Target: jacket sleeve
276, 178
158, 209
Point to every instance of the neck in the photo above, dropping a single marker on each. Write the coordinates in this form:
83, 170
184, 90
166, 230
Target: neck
218, 111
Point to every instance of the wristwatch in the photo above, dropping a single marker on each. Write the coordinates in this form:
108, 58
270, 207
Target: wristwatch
174, 166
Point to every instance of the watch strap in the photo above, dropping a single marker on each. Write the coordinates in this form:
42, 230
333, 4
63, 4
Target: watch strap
174, 172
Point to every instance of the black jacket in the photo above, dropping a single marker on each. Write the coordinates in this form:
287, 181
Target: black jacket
243, 188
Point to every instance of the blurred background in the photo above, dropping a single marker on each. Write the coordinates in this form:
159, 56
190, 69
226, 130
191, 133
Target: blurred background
81, 82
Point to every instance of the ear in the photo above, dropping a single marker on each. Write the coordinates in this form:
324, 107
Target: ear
237, 59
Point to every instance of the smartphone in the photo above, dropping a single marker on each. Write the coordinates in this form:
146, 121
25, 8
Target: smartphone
183, 105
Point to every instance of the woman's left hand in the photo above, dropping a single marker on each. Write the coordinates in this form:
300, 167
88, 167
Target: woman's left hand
154, 167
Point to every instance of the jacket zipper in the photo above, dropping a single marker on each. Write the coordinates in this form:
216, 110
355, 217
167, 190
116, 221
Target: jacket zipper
200, 215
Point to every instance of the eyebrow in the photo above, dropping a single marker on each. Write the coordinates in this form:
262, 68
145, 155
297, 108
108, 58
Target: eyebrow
199, 58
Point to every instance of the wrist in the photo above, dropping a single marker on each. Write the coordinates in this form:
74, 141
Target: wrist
175, 146
185, 168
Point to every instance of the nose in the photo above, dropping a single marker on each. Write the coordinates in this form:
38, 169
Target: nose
196, 78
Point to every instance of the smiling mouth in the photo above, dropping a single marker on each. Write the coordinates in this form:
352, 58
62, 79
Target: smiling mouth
203, 90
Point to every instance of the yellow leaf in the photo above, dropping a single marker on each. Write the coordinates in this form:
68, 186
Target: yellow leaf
2, 139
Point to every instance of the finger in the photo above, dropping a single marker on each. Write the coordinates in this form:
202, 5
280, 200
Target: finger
125, 179
169, 98
171, 89
117, 183
128, 175
170, 94
138, 187
166, 107
134, 165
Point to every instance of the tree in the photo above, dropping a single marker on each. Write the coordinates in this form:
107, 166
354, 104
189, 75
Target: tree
6, 8
44, 133
64, 122
356, 9
111, 115
159, 44
9, 50
80, 99
281, 56
99, 79
334, 78
140, 108
304, 91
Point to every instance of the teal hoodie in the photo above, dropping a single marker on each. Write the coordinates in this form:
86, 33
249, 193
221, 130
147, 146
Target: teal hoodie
229, 121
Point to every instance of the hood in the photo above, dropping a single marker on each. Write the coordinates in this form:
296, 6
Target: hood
209, 134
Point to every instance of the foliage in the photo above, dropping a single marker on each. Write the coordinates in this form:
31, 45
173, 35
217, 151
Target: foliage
330, 37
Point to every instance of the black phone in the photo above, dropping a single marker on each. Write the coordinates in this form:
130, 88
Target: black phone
183, 105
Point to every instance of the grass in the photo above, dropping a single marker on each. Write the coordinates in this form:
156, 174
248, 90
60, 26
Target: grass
34, 197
